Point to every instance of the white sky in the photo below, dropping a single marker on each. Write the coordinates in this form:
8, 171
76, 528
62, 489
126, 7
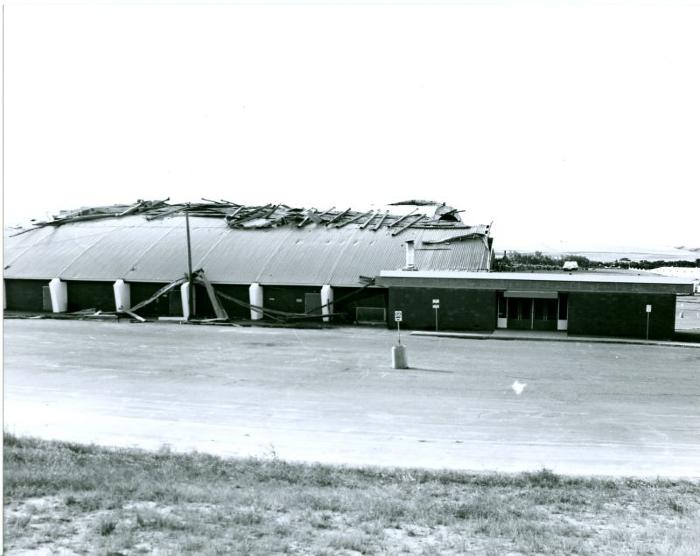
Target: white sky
577, 123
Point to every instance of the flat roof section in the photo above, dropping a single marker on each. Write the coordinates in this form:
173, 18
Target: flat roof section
536, 281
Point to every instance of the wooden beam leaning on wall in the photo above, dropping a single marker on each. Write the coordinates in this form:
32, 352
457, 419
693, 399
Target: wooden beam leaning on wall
162, 291
219, 310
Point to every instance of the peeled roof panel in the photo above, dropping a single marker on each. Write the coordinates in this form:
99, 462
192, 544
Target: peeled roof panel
467, 255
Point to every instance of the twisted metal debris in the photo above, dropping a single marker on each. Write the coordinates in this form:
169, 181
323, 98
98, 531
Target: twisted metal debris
271, 215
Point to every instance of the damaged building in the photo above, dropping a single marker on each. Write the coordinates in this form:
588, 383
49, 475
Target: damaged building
264, 262
283, 264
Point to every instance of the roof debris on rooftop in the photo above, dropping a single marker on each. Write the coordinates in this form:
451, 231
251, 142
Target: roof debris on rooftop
271, 244
271, 215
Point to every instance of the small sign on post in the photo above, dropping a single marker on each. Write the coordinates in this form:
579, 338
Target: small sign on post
436, 306
398, 317
398, 352
648, 315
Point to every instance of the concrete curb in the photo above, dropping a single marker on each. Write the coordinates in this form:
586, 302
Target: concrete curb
584, 339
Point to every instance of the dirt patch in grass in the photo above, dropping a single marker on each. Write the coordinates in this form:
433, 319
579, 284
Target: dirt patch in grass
68, 498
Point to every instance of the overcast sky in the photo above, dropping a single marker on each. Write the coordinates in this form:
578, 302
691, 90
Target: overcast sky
573, 123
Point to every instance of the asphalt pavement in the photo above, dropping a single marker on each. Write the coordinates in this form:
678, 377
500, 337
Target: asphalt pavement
331, 396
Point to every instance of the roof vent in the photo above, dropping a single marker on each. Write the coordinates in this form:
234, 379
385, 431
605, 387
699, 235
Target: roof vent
410, 255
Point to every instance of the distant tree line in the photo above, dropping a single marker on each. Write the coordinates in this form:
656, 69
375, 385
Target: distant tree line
513, 261
648, 265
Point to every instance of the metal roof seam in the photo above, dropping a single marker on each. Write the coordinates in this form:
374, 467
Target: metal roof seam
18, 255
150, 247
85, 252
203, 258
272, 254
341, 257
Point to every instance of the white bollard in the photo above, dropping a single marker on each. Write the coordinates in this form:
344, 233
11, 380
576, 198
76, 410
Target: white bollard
59, 295
122, 295
255, 295
399, 360
326, 302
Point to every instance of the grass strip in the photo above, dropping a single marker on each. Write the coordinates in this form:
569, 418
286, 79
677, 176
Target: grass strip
74, 498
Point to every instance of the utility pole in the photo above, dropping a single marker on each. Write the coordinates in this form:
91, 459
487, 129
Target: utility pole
190, 297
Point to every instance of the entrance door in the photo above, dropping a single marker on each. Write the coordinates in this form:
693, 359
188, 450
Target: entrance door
527, 313
545, 314
519, 313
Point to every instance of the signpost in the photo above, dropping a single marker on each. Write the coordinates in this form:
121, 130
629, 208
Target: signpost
648, 315
436, 306
398, 317
398, 352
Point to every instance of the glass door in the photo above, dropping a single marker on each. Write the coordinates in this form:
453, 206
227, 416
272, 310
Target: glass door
545, 314
520, 313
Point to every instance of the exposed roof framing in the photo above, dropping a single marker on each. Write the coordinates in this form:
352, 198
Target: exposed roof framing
397, 222
353, 219
338, 216
381, 221
366, 222
407, 226
267, 216
462, 237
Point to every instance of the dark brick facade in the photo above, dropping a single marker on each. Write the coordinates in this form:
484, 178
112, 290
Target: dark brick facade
460, 309
621, 314
140, 291
25, 295
347, 300
618, 314
90, 295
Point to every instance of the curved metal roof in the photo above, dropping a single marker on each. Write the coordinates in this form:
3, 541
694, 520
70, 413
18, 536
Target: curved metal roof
138, 250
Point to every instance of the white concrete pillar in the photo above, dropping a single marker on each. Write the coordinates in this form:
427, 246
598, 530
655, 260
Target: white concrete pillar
326, 302
59, 295
185, 298
122, 295
255, 295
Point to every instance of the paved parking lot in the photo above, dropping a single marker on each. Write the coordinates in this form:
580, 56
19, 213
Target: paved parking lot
688, 313
330, 395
